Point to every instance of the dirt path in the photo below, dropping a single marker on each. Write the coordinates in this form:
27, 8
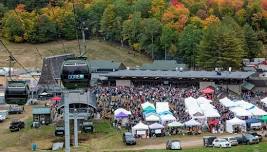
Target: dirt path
187, 142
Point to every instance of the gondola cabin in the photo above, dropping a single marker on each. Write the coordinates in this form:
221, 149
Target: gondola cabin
17, 92
75, 73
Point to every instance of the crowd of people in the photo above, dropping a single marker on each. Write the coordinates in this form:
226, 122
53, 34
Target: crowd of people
131, 98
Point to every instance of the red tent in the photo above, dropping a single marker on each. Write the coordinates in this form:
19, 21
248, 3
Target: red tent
208, 90
56, 98
214, 122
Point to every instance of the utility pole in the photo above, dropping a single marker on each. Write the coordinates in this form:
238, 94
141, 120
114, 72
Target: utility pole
66, 121
75, 117
83, 29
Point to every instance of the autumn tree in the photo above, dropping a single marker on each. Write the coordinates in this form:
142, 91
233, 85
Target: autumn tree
157, 8
176, 17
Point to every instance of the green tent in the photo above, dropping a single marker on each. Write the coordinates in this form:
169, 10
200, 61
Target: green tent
149, 108
264, 118
247, 86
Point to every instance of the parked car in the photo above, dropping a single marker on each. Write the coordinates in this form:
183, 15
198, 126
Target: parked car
256, 135
128, 138
2, 118
222, 143
60, 131
247, 139
88, 127
16, 125
4, 113
173, 145
232, 140
15, 110
207, 140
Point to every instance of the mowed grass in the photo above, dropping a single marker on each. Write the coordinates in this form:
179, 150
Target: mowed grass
28, 55
262, 147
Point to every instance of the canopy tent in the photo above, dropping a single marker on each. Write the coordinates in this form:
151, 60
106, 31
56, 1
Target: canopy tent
140, 128
191, 123
149, 108
167, 117
252, 121
162, 106
121, 115
56, 98
233, 122
227, 102
156, 126
257, 111
264, 100
207, 90
240, 112
247, 86
189, 99
121, 110
203, 100
152, 117
244, 104
214, 122
264, 119
165, 113
175, 124
147, 104
149, 112
211, 113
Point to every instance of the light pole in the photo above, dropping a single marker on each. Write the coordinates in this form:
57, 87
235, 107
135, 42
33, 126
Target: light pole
75, 117
66, 122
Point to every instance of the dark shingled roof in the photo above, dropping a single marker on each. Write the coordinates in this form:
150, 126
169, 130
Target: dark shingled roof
51, 69
104, 65
180, 74
163, 65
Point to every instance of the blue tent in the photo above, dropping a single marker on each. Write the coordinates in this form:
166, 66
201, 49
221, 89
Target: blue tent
165, 113
252, 120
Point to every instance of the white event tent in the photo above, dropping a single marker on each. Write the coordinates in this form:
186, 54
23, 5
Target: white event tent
140, 129
175, 124
240, 112
191, 123
168, 117
162, 107
152, 117
156, 126
234, 122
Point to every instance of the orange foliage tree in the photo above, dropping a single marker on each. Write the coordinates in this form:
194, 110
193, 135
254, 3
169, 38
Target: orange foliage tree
176, 16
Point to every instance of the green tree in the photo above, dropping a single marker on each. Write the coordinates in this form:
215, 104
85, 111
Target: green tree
94, 14
67, 26
132, 29
13, 27
107, 22
43, 31
150, 35
188, 43
220, 47
143, 6
167, 39
252, 45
